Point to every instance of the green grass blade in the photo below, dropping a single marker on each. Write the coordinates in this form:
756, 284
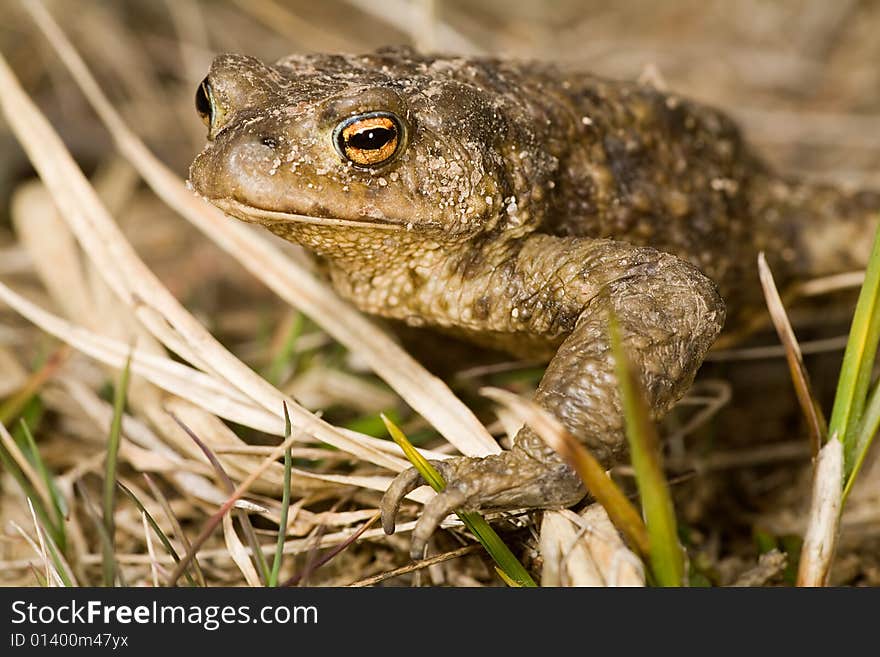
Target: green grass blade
59, 504
113, 440
858, 361
11, 465
285, 505
109, 566
160, 497
473, 521
286, 356
507, 580
61, 567
14, 405
666, 555
40, 577
868, 427
217, 518
428, 471
166, 542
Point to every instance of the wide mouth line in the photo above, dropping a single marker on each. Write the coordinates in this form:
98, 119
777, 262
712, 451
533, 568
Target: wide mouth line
275, 216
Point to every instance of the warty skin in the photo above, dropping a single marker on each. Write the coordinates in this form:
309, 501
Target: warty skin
518, 206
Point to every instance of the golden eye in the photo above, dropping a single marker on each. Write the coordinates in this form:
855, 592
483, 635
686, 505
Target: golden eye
204, 103
368, 140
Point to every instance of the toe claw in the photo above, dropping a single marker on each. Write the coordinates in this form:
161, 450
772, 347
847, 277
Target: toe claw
402, 485
435, 511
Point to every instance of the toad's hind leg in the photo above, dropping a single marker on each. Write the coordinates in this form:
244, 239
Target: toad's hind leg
669, 314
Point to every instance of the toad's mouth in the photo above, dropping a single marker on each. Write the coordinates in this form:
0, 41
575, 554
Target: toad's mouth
259, 215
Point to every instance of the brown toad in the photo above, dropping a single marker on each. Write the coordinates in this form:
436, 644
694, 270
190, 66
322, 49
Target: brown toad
516, 205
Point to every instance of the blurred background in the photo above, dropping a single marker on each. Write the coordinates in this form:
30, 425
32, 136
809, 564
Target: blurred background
801, 76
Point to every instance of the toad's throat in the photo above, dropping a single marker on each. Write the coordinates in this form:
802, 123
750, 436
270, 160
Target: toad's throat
259, 215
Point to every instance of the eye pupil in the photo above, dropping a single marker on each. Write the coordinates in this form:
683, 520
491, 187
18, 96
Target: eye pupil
371, 139
204, 106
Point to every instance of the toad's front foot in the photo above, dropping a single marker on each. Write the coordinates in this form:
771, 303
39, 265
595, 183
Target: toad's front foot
510, 480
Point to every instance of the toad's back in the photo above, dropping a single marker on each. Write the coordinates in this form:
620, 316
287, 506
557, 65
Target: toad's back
652, 168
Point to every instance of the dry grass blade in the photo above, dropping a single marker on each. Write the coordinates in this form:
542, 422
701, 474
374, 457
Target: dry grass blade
177, 378
406, 17
771, 565
822, 527
30, 480
618, 565
851, 431
193, 385
54, 251
416, 565
185, 473
586, 550
241, 514
151, 523
9, 463
331, 553
832, 283
423, 391
59, 571
800, 378
38, 548
154, 565
285, 22
214, 520
175, 524
624, 515
319, 529
566, 560
297, 546
41, 580
240, 555
137, 286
